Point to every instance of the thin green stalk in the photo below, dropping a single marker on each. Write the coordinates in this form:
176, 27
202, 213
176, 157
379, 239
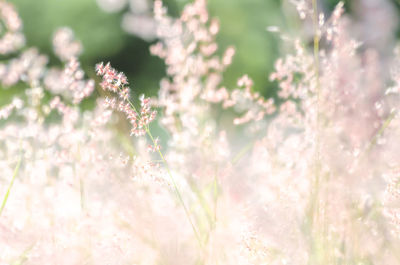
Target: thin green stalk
317, 79
23, 257
82, 192
385, 124
16, 169
315, 207
318, 88
177, 191
242, 153
81, 182
203, 203
215, 189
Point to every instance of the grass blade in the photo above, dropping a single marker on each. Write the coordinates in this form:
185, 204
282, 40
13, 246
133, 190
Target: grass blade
3, 204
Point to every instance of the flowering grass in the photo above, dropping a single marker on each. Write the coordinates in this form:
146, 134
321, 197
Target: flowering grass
311, 177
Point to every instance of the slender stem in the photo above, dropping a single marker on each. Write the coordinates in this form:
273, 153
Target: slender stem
315, 200
215, 199
385, 124
177, 191
11, 184
242, 153
317, 77
81, 182
82, 192
318, 92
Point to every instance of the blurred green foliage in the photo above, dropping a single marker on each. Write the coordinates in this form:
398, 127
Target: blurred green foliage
243, 25
99, 32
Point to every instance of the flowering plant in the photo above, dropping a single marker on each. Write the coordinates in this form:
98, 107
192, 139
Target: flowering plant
310, 178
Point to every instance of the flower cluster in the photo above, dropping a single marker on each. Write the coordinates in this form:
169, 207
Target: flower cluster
117, 83
66, 47
12, 38
6, 111
28, 66
73, 78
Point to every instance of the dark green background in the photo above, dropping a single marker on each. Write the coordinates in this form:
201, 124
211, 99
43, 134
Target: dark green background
243, 25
